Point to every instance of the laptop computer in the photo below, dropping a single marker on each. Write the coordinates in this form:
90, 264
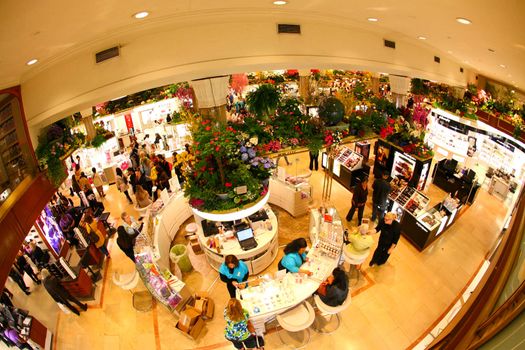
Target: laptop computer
246, 238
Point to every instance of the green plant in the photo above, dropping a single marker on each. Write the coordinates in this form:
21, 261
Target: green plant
98, 141
331, 111
264, 101
419, 87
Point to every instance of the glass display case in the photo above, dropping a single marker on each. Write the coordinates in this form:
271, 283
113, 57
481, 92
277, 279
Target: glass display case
16, 160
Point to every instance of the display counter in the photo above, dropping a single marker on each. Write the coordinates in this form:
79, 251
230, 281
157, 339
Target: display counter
348, 167
269, 296
152, 247
217, 245
294, 198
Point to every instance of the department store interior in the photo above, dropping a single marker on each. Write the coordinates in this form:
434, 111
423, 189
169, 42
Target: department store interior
151, 153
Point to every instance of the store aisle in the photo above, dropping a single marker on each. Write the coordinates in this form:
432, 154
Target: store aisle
399, 300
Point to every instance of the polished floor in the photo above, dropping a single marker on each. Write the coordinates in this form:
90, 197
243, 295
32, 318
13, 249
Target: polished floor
393, 306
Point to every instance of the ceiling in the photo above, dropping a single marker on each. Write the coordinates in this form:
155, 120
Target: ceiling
50, 30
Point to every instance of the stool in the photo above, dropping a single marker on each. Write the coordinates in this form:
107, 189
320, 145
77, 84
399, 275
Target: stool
191, 229
355, 258
142, 300
296, 320
329, 310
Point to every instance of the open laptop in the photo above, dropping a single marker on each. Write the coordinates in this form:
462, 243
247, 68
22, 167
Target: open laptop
246, 238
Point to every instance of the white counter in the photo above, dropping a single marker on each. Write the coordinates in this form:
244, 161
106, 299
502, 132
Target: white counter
275, 296
257, 259
294, 199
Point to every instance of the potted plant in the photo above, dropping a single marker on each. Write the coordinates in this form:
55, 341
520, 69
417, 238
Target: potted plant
264, 101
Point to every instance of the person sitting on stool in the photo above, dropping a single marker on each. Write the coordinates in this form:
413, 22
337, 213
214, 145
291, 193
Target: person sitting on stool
233, 272
360, 242
295, 256
390, 231
334, 290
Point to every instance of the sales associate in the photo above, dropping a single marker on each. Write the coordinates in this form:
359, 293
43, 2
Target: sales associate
233, 272
295, 256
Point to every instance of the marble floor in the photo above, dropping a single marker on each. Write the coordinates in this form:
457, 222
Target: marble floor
392, 306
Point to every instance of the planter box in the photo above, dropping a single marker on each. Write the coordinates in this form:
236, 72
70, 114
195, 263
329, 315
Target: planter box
505, 126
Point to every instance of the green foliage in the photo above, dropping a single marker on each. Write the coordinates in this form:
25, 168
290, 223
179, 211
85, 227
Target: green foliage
264, 101
419, 87
331, 111
98, 141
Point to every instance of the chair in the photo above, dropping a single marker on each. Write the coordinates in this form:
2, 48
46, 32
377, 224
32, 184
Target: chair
142, 211
297, 320
142, 300
355, 258
330, 310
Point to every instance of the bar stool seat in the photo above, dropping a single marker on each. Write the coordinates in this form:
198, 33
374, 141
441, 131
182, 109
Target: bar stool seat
191, 229
331, 311
297, 320
355, 258
141, 300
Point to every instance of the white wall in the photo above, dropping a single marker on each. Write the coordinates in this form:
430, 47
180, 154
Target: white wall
174, 52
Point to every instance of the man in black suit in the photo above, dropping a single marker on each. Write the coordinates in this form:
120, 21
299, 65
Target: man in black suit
381, 191
126, 235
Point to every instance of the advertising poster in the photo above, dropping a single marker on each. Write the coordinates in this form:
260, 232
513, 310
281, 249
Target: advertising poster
49, 227
403, 167
382, 155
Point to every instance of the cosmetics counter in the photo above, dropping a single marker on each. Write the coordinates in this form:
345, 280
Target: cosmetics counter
249, 234
349, 166
419, 224
268, 296
292, 193
152, 248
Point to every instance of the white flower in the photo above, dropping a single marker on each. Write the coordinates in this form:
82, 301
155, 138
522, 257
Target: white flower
254, 140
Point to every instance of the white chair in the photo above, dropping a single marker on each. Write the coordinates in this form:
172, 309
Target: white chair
142, 211
355, 258
326, 310
297, 320
142, 300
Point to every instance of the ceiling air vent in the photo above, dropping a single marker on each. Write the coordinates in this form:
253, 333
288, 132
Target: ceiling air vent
461, 69
437, 59
288, 29
107, 54
391, 44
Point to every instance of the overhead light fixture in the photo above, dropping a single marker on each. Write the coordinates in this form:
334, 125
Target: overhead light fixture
422, 37
463, 20
449, 51
372, 19
31, 62
512, 91
280, 2
492, 50
503, 66
141, 14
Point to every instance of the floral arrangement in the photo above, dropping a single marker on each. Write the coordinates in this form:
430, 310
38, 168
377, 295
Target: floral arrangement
227, 169
54, 143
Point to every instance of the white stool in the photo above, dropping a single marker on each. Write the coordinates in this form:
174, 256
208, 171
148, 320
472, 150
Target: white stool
296, 320
330, 310
355, 258
142, 301
142, 211
191, 229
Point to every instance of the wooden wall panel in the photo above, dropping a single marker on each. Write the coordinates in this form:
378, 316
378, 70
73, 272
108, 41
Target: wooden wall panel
10, 240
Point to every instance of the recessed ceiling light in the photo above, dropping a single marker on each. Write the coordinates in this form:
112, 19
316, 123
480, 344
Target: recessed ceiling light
372, 19
280, 2
463, 20
512, 91
492, 50
141, 14
31, 62
422, 37
503, 66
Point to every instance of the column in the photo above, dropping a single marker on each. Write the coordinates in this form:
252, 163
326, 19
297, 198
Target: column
304, 85
375, 83
210, 96
399, 86
87, 119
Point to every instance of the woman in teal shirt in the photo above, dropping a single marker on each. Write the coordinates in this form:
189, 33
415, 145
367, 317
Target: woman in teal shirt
295, 256
233, 272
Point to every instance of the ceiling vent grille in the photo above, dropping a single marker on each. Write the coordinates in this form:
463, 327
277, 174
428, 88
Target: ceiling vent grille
461, 69
437, 59
389, 43
107, 54
288, 29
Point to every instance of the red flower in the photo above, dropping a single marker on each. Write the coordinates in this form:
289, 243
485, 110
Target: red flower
207, 128
217, 148
228, 184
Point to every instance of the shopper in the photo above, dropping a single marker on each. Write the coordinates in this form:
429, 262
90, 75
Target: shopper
360, 242
142, 197
234, 273
19, 279
334, 290
95, 235
60, 294
165, 165
239, 329
314, 159
390, 231
98, 183
39, 257
67, 223
145, 169
122, 184
380, 195
295, 256
13, 336
24, 266
85, 185
126, 236
6, 297
358, 200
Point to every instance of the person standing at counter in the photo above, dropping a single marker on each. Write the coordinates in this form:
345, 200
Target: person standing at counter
381, 191
295, 256
239, 329
122, 184
96, 235
233, 272
126, 235
59, 294
390, 231
358, 201
334, 290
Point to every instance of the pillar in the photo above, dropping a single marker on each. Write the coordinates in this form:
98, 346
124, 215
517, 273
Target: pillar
399, 86
87, 119
210, 96
304, 85
375, 84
